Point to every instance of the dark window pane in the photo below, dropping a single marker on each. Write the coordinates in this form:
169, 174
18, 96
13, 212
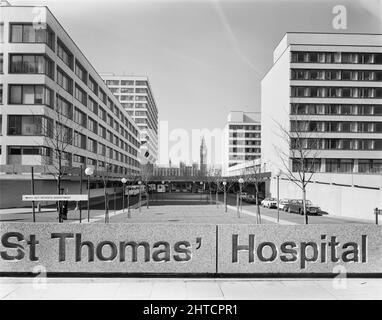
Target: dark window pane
16, 33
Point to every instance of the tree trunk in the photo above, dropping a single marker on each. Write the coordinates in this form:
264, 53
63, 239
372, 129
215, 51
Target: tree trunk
104, 195
128, 202
147, 198
59, 189
258, 216
106, 206
304, 205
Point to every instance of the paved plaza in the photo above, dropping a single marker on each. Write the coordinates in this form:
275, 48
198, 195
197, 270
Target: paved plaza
180, 289
177, 208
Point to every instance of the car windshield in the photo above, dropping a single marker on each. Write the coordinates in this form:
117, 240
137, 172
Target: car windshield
308, 202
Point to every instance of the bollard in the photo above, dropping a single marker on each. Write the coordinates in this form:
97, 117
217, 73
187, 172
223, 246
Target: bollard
376, 212
237, 205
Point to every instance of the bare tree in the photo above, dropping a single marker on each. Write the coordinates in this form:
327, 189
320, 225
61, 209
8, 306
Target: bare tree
300, 159
210, 179
132, 178
59, 135
146, 175
103, 172
253, 176
215, 179
230, 183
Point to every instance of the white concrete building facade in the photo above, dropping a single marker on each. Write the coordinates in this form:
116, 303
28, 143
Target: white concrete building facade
327, 89
47, 86
241, 141
136, 96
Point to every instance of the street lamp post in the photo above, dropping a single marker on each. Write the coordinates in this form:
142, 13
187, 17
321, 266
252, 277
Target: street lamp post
201, 182
225, 195
123, 180
128, 203
89, 172
78, 203
278, 173
163, 190
241, 181
139, 201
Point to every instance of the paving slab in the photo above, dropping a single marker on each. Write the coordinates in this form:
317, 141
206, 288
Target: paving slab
185, 288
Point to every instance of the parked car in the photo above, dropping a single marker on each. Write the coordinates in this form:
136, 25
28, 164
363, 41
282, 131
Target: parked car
283, 203
269, 203
251, 198
243, 195
297, 206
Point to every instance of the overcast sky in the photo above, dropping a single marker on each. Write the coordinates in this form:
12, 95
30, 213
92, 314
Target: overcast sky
203, 58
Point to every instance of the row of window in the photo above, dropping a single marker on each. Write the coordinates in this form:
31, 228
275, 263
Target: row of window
335, 92
335, 109
30, 94
338, 165
29, 33
245, 150
244, 127
131, 98
343, 75
336, 57
27, 125
336, 144
256, 135
244, 135
31, 63
69, 158
128, 90
39, 94
30, 126
67, 83
126, 83
144, 102
245, 142
336, 126
236, 157
32, 33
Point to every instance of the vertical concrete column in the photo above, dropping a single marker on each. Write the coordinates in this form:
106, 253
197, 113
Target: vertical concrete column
355, 168
323, 165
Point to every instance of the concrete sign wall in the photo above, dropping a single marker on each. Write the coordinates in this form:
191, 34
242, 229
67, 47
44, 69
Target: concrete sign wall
108, 248
190, 248
300, 249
